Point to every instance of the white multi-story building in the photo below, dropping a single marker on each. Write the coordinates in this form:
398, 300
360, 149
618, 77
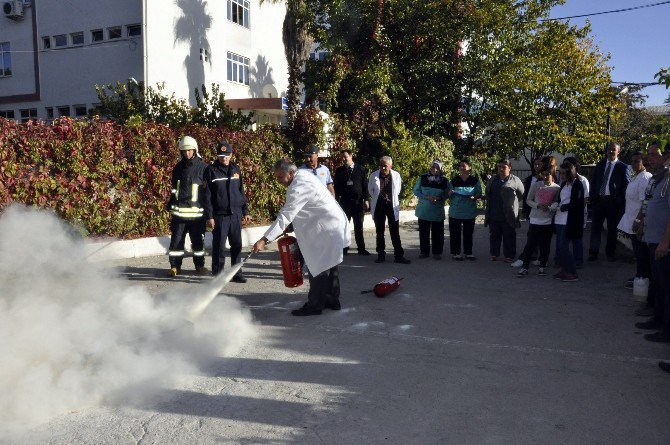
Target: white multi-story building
54, 52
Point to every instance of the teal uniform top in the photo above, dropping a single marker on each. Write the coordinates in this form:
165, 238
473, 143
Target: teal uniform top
427, 185
462, 206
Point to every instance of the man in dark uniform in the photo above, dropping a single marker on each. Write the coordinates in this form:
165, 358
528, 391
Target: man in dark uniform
225, 208
186, 207
351, 192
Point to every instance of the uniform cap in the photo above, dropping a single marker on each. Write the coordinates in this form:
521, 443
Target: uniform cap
224, 149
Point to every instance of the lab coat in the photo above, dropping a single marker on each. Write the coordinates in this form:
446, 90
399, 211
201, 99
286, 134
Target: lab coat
373, 189
320, 225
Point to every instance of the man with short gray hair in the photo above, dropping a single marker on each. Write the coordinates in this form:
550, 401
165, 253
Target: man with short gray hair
384, 187
322, 231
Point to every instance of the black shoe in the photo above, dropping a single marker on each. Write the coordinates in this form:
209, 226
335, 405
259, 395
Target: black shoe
238, 278
402, 260
593, 257
363, 252
380, 258
305, 311
334, 305
611, 259
658, 337
651, 325
665, 366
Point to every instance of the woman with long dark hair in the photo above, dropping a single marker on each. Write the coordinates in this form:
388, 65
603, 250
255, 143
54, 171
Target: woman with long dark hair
569, 220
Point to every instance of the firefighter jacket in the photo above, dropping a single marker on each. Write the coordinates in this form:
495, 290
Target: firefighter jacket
187, 189
224, 191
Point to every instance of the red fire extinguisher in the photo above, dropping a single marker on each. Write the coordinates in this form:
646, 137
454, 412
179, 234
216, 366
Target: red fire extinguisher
291, 266
385, 287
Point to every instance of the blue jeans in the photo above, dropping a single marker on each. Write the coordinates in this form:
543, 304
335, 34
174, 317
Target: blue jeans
577, 252
567, 261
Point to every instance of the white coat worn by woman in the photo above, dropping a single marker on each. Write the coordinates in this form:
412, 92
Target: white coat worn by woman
322, 231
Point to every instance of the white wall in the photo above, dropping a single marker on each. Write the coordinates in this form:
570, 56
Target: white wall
68, 75
177, 31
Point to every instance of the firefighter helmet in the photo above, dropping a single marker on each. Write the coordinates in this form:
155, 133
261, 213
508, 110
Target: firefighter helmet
188, 143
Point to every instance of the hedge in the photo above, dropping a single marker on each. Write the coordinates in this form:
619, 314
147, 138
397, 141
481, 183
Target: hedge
112, 180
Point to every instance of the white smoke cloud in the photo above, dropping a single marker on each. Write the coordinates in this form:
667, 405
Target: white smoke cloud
73, 336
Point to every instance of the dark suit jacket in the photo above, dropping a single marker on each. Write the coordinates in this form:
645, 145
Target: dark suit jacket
619, 180
351, 196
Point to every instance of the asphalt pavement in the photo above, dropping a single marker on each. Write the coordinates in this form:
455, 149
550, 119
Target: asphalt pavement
461, 353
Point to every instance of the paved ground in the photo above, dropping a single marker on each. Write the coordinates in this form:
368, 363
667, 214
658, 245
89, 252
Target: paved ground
462, 353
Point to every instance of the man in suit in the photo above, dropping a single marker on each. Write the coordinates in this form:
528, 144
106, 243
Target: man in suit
608, 199
351, 192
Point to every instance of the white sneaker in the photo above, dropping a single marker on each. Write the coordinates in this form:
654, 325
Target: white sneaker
517, 263
536, 262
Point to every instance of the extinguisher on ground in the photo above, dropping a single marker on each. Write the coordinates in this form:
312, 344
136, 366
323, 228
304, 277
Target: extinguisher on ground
385, 287
291, 265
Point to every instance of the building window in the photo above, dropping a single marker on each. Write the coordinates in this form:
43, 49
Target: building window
46, 42
60, 40
134, 30
238, 12
79, 110
77, 38
321, 55
7, 114
29, 114
114, 33
97, 35
5, 60
238, 69
64, 111
50, 112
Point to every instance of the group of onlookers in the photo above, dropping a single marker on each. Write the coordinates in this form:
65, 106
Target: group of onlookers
634, 202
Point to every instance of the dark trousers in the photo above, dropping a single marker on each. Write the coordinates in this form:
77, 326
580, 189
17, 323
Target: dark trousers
539, 236
642, 259
502, 231
324, 288
577, 252
357, 217
381, 215
431, 231
226, 227
605, 209
659, 287
468, 229
567, 260
195, 228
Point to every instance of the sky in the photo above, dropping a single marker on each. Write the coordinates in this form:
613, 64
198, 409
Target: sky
636, 40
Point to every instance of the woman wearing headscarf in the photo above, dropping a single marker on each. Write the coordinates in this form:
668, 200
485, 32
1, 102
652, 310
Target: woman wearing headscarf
466, 189
432, 189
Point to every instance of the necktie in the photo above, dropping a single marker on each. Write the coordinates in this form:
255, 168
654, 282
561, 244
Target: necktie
606, 176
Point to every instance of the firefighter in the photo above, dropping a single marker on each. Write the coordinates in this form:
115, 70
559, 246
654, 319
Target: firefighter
186, 208
225, 208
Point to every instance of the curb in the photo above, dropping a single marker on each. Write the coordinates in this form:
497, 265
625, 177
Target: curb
121, 249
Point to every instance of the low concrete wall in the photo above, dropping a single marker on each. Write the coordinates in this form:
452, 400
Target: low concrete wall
119, 249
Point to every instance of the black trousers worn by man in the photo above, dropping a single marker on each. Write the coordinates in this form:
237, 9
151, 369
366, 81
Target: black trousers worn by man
226, 227
606, 209
324, 290
383, 213
502, 231
357, 216
195, 228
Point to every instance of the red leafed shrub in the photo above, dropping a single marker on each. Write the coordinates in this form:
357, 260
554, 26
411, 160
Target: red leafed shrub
112, 180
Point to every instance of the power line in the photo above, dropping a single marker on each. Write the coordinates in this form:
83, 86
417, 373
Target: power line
632, 8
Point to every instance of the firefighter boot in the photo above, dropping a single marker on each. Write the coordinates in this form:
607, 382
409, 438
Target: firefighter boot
173, 272
202, 270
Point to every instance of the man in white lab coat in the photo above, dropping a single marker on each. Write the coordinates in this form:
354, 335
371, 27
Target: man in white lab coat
322, 230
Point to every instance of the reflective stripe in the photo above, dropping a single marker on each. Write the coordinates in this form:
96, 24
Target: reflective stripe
189, 209
194, 192
176, 253
199, 253
188, 215
176, 195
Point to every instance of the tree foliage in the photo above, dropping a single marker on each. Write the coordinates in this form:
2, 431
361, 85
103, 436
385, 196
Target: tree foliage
488, 74
132, 102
